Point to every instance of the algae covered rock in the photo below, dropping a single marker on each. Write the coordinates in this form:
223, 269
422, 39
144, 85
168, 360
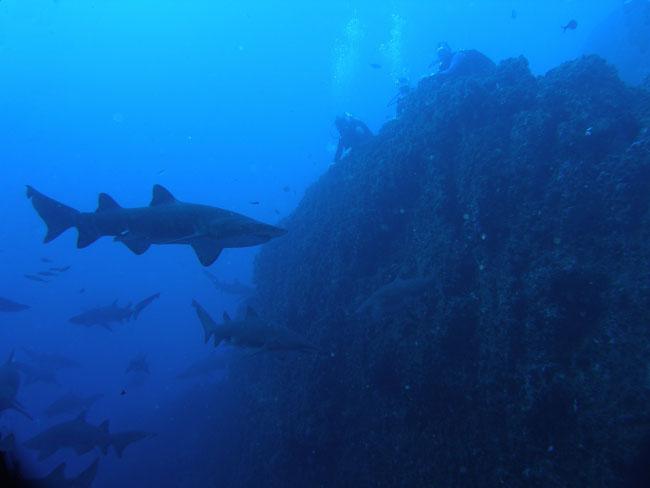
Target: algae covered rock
524, 204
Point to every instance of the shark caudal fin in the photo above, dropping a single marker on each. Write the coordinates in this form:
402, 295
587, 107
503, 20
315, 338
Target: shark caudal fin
57, 217
139, 307
209, 325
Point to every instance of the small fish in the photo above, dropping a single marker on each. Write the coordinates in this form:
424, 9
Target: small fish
255, 202
46, 260
46, 273
277, 211
61, 270
286, 189
35, 278
123, 392
161, 171
375, 65
513, 14
82, 290
572, 25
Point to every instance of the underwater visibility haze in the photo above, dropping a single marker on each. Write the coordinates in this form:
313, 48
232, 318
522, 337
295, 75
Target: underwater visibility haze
325, 244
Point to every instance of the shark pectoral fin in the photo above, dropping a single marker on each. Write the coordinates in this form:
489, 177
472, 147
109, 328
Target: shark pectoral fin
206, 249
138, 245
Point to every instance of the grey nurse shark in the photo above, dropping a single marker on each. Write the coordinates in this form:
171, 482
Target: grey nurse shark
251, 332
208, 230
82, 437
9, 387
56, 478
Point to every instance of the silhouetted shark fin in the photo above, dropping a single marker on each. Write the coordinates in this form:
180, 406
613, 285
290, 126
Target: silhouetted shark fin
161, 196
87, 476
207, 322
250, 312
226, 317
106, 202
206, 249
137, 245
57, 217
87, 235
57, 475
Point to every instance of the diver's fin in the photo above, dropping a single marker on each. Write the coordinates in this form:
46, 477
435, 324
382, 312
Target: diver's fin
161, 196
106, 202
136, 244
206, 249
57, 217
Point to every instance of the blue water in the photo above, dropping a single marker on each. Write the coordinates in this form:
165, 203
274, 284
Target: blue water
224, 103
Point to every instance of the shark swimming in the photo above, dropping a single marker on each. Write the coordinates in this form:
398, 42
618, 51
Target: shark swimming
232, 288
82, 437
37, 374
392, 296
9, 306
138, 364
9, 387
108, 314
51, 360
71, 403
56, 478
8, 443
204, 367
208, 230
250, 332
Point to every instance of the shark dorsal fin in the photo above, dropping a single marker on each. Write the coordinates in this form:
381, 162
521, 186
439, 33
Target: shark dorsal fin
226, 317
161, 196
250, 313
82, 415
106, 202
57, 474
104, 426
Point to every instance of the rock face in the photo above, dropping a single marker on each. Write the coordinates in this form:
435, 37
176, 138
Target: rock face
523, 203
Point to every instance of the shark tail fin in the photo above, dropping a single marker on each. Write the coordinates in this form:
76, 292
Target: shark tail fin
86, 478
57, 217
139, 307
209, 325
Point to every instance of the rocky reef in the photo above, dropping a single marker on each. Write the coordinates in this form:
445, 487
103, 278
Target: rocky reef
522, 204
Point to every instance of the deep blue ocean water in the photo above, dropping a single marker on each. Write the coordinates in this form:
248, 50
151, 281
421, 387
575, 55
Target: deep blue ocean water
224, 103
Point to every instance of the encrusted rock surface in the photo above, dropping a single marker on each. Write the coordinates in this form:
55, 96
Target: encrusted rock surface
527, 361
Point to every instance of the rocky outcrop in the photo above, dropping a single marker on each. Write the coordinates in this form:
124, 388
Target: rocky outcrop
526, 361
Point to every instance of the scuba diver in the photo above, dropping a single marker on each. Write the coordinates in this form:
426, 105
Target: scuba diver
461, 63
352, 133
